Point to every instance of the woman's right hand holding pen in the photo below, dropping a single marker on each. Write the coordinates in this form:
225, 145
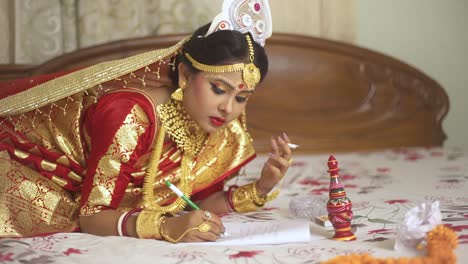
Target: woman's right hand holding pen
194, 226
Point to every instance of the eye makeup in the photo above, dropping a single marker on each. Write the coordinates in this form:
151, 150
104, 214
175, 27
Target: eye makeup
228, 82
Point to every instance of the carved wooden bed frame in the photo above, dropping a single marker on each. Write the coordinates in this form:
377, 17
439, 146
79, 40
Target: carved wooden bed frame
328, 96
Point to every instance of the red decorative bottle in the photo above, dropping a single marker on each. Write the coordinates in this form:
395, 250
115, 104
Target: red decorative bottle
339, 205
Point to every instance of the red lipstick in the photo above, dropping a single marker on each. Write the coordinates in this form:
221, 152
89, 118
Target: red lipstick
217, 121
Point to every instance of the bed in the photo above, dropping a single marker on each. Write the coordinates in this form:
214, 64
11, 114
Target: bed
380, 118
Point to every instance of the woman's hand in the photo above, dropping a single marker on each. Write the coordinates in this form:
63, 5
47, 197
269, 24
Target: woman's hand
276, 165
195, 226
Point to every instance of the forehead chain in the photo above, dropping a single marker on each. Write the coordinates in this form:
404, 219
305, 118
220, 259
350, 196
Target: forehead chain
250, 73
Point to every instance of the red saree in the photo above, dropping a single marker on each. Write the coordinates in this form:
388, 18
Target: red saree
89, 152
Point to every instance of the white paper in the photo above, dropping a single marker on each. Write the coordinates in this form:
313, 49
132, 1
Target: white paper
265, 233
418, 221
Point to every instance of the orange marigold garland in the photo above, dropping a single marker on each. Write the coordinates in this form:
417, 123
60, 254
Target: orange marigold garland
441, 244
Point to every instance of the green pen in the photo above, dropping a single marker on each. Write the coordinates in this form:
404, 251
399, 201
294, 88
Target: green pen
182, 195
189, 202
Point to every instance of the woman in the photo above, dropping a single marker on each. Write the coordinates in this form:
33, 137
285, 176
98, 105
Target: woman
98, 159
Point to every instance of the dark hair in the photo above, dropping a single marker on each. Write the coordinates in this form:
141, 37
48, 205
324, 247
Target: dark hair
219, 48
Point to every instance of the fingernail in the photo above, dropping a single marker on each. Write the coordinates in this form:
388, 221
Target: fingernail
281, 140
271, 155
285, 136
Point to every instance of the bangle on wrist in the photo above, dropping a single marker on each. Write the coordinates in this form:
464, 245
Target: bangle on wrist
259, 201
246, 199
228, 197
148, 225
122, 222
119, 224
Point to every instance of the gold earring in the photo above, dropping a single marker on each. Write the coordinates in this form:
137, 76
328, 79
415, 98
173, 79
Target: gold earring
178, 95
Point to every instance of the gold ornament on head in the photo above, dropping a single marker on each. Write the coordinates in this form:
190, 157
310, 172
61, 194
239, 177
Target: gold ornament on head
252, 16
250, 73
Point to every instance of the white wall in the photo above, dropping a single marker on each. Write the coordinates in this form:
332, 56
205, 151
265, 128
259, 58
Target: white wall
431, 35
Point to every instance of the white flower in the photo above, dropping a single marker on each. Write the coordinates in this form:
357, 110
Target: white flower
418, 221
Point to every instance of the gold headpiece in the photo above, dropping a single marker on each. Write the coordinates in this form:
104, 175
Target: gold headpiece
250, 73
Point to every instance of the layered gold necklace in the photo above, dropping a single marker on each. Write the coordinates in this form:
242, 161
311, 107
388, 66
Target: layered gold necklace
189, 137
186, 133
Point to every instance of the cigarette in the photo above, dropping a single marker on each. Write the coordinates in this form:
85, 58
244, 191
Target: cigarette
293, 146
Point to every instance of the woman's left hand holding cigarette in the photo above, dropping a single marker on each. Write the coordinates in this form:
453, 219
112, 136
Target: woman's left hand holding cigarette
276, 166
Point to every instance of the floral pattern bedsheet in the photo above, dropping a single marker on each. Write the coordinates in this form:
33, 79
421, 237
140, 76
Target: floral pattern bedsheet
383, 186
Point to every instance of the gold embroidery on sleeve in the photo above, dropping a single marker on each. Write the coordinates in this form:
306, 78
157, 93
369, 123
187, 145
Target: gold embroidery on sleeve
60, 182
119, 152
72, 175
21, 154
48, 166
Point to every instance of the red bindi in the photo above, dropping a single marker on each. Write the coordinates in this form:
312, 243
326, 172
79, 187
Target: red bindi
241, 86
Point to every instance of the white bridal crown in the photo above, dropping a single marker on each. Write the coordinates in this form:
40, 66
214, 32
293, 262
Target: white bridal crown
252, 16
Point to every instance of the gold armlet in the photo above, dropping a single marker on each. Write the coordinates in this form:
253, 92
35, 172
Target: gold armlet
148, 225
246, 199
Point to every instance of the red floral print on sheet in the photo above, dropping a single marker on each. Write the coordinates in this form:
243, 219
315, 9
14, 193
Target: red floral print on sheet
409, 154
437, 153
457, 228
245, 254
414, 157
348, 176
463, 239
312, 182
383, 170
6, 257
319, 191
270, 208
399, 201
73, 251
381, 231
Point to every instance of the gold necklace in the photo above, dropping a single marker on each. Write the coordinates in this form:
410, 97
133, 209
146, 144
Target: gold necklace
181, 128
189, 137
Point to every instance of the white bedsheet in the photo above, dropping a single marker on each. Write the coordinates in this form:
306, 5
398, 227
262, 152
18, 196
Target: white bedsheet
381, 185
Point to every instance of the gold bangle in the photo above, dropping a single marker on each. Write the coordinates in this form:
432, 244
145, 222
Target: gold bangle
242, 200
261, 201
246, 199
148, 224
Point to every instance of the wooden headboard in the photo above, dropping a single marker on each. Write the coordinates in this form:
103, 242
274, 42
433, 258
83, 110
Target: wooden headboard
328, 96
